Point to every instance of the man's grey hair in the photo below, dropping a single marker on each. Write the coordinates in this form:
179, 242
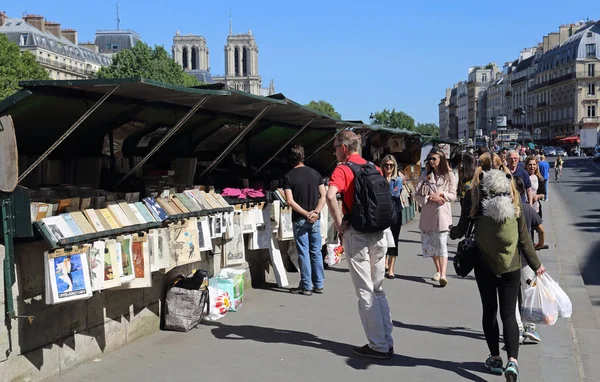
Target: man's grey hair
350, 139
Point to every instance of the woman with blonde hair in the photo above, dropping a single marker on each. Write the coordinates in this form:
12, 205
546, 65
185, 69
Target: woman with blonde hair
436, 189
537, 182
395, 179
500, 234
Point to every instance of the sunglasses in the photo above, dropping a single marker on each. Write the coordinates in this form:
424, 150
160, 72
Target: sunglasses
432, 159
389, 165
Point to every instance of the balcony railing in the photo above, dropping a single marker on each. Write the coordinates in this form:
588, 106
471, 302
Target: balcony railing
542, 104
62, 65
587, 74
560, 122
508, 93
595, 120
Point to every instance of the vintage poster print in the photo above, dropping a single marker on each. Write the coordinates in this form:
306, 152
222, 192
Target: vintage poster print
69, 274
140, 262
112, 270
286, 226
126, 258
204, 239
234, 248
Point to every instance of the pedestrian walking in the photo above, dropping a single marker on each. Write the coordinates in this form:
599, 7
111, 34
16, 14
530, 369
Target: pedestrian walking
465, 176
558, 167
500, 233
305, 194
436, 189
537, 183
545, 171
366, 249
395, 179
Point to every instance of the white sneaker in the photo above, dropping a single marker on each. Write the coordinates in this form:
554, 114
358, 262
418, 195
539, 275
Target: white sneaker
436, 277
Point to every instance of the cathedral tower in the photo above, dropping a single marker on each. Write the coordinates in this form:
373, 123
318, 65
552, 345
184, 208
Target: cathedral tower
191, 53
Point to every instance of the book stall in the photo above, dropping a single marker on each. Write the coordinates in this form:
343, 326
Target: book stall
130, 185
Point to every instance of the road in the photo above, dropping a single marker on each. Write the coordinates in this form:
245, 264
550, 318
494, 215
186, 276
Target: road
579, 188
437, 332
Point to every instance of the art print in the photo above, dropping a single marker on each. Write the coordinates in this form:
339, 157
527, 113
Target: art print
286, 225
204, 238
247, 222
69, 274
127, 259
112, 267
234, 248
140, 263
96, 261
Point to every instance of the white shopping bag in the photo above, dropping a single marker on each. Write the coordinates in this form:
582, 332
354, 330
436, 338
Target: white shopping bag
540, 305
565, 308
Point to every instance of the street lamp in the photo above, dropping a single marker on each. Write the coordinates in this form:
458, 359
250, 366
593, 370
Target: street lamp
524, 112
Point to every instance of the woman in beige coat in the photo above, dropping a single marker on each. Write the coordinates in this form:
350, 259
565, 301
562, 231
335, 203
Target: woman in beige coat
436, 189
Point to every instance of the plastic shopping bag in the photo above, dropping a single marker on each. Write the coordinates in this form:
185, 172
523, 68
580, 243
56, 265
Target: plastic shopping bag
565, 308
389, 236
334, 254
540, 305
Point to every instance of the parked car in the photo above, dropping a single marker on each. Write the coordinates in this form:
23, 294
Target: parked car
597, 153
550, 151
560, 151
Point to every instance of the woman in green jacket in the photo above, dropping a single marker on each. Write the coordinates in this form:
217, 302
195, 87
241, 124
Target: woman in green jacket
500, 233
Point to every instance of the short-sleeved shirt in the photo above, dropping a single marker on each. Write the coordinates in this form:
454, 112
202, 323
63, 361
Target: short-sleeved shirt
544, 169
343, 179
304, 183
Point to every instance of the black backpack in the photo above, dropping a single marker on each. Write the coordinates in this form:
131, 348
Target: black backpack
372, 207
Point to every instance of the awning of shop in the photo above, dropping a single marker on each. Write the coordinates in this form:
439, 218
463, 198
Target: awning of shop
139, 107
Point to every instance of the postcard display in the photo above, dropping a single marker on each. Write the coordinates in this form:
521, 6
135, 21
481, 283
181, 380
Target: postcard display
117, 244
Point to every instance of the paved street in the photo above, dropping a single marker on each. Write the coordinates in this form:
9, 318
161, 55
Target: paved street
437, 332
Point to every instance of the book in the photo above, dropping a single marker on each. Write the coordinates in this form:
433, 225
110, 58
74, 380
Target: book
72, 224
138, 215
187, 202
129, 213
82, 222
179, 204
144, 212
58, 228
192, 198
157, 211
109, 218
92, 217
119, 215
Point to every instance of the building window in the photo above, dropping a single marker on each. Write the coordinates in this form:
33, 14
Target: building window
590, 50
591, 110
483, 78
115, 47
591, 89
591, 70
589, 34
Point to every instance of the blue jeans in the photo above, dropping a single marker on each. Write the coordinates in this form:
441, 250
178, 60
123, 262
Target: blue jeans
308, 243
546, 185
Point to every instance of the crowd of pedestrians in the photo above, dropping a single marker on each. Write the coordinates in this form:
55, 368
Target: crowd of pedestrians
501, 195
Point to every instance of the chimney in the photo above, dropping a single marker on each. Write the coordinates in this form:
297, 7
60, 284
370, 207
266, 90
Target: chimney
546, 44
53, 28
553, 39
36, 22
2, 18
563, 32
89, 45
70, 34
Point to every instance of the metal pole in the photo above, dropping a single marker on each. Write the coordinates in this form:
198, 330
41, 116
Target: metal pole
67, 133
235, 141
284, 146
168, 135
9, 252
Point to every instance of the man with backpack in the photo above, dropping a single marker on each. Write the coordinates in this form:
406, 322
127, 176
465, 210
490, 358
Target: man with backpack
368, 209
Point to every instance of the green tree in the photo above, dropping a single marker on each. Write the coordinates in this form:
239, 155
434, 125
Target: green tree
394, 119
324, 107
428, 129
143, 61
16, 66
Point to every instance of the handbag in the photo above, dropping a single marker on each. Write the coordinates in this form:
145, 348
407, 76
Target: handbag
466, 253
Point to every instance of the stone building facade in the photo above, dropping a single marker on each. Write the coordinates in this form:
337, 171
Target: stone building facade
191, 52
56, 49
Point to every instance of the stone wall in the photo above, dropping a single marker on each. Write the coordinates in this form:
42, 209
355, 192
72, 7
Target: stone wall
65, 335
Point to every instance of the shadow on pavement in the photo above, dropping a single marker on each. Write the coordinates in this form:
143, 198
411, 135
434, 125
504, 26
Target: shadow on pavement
293, 337
340, 270
409, 241
444, 330
273, 288
589, 271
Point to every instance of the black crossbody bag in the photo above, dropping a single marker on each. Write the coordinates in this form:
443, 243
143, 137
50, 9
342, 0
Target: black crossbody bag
466, 253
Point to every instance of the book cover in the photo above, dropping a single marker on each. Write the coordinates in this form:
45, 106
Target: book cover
82, 222
119, 215
198, 195
72, 224
157, 211
129, 213
109, 218
92, 217
192, 198
137, 214
58, 228
179, 203
145, 212
187, 202
164, 203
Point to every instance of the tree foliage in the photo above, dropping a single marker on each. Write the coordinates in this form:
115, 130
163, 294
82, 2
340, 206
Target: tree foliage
428, 129
324, 107
143, 61
394, 119
16, 66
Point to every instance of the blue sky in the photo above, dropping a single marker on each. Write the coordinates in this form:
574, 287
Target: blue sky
361, 58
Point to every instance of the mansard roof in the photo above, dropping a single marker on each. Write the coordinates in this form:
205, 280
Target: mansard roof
25, 35
574, 48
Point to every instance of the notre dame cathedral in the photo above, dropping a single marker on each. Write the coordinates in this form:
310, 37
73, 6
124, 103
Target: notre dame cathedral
241, 61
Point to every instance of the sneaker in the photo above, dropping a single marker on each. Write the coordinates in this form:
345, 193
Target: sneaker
532, 335
511, 373
301, 291
366, 351
318, 290
494, 365
443, 282
391, 351
436, 277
